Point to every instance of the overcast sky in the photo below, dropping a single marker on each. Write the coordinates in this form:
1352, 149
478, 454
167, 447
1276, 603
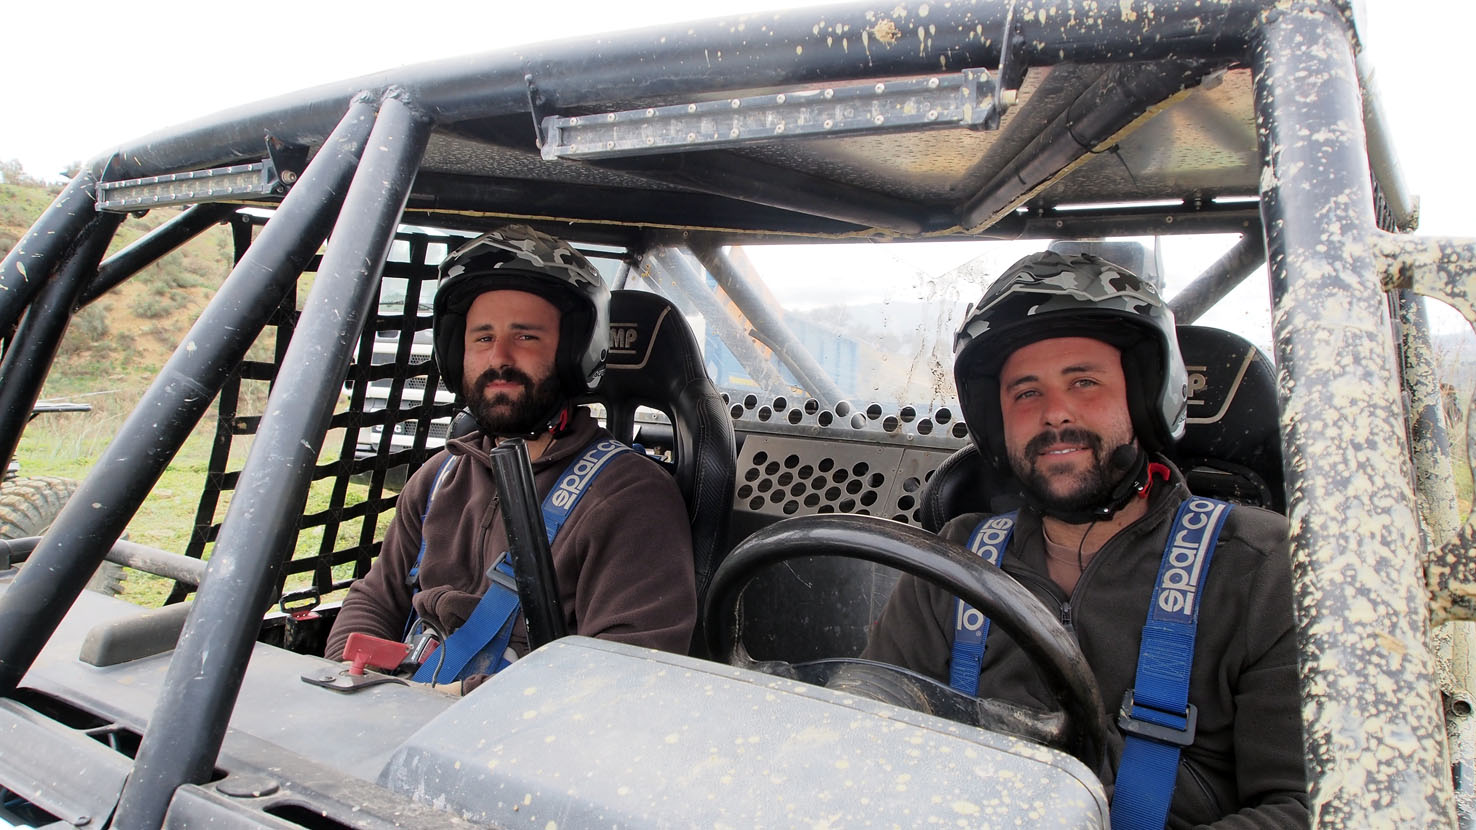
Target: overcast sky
84, 76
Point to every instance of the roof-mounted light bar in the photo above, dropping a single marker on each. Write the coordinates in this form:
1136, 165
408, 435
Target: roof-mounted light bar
965, 99
191, 187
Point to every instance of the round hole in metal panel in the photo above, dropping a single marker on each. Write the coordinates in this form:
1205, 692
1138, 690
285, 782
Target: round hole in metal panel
907, 414
760, 457
846, 505
877, 480
906, 502
756, 504
891, 424
736, 411
825, 465
928, 476
840, 474
750, 474
854, 486
772, 468
811, 406
858, 421
863, 512
874, 412
812, 499
825, 508
868, 498
925, 427
805, 471
824, 419
764, 413
777, 496
843, 408
798, 489
860, 468
750, 401
832, 494
900, 517
791, 507
765, 486
786, 478
745, 491
960, 430
910, 484
780, 404
819, 482
795, 416
943, 415
791, 461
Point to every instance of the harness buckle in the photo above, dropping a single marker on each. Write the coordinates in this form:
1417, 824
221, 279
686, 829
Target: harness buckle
1162, 733
501, 573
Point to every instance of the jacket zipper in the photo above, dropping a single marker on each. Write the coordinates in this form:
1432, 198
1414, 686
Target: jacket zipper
1204, 788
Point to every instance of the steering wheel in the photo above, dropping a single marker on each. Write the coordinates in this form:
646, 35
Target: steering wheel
1079, 727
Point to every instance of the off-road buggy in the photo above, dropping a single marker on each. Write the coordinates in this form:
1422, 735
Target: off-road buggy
805, 434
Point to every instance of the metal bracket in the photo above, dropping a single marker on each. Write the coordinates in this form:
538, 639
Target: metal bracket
965, 99
536, 106
286, 163
350, 683
1011, 70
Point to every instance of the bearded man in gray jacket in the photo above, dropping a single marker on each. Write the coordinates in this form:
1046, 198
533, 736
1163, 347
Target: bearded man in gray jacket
1071, 382
522, 328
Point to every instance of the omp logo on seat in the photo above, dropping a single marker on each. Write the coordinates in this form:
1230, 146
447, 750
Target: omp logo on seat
624, 337
578, 476
1179, 580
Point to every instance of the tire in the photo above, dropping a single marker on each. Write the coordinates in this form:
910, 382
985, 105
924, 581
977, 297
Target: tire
28, 506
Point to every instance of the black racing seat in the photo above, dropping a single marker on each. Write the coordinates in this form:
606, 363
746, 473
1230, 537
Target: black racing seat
1231, 447
656, 362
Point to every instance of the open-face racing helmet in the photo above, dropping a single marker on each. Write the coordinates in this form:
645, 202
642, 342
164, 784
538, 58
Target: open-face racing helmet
519, 258
1048, 295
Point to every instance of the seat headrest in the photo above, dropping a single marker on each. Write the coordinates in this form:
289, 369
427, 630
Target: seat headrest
653, 353
1231, 447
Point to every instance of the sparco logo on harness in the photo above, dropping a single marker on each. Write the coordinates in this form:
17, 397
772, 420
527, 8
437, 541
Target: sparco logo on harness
578, 476
990, 539
1180, 577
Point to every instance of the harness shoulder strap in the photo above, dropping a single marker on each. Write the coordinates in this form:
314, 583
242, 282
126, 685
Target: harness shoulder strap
413, 577
970, 627
1157, 719
478, 646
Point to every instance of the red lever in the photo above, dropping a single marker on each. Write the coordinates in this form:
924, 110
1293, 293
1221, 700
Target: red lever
364, 650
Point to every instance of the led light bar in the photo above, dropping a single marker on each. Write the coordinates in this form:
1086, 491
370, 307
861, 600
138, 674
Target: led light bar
255, 179
965, 99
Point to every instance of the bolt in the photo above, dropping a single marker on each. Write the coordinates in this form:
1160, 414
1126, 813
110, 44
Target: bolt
289, 176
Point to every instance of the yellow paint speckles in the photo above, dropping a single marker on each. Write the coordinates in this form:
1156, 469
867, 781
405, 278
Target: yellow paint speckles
1389, 644
672, 738
965, 808
1126, 8
530, 714
530, 691
842, 763
799, 49
886, 31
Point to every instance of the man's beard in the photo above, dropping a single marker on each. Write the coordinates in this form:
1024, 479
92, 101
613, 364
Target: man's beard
1090, 488
502, 414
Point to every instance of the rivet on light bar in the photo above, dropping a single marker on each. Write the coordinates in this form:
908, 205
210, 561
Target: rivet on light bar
255, 179
965, 99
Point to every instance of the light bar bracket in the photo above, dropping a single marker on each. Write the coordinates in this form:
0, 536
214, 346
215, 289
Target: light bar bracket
965, 99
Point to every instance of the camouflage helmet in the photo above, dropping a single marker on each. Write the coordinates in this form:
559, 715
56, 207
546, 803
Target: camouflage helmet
518, 258
1048, 295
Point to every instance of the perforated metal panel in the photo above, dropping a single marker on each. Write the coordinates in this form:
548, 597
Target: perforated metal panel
792, 476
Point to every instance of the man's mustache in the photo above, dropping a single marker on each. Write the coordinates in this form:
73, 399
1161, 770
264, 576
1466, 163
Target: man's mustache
1068, 435
507, 375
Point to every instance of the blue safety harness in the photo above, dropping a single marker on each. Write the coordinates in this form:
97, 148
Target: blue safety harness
479, 646
1157, 719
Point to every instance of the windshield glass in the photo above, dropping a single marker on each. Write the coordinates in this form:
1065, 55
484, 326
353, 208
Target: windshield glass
863, 332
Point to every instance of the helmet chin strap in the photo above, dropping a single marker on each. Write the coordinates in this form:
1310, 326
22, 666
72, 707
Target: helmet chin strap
1136, 478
